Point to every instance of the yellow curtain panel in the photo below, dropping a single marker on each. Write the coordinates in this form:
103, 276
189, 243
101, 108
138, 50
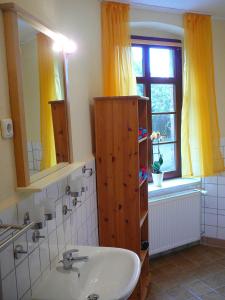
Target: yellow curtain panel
118, 78
47, 93
200, 130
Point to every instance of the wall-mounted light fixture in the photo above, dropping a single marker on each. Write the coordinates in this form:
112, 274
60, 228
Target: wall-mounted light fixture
63, 44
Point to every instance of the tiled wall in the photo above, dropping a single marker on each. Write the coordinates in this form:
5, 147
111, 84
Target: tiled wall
34, 156
213, 204
79, 227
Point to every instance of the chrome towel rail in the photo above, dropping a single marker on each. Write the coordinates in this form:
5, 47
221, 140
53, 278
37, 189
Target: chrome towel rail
10, 232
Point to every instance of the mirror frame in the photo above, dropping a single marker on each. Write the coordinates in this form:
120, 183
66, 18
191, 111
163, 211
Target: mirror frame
11, 13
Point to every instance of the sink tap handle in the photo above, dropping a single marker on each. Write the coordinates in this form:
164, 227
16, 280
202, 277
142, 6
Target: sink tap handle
68, 254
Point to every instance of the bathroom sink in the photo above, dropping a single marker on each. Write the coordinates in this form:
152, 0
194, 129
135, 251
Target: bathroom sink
108, 274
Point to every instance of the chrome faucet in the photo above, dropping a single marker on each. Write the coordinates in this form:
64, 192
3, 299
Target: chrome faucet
68, 259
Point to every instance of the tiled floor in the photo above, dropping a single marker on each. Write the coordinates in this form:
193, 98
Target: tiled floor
194, 273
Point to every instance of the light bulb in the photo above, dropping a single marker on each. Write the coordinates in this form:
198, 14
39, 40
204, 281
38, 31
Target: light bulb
63, 44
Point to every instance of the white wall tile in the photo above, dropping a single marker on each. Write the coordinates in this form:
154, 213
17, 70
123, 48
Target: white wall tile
23, 278
83, 213
60, 238
9, 290
24, 206
221, 180
221, 203
51, 225
9, 215
27, 296
39, 197
211, 179
34, 264
221, 221
21, 241
52, 192
6, 261
66, 200
30, 243
78, 227
62, 186
211, 189
210, 202
221, 190
53, 247
59, 214
221, 233
76, 175
44, 255
78, 218
67, 231
211, 219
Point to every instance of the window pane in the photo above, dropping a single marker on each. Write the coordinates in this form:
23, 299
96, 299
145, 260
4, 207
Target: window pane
161, 62
169, 156
165, 124
140, 89
162, 98
137, 59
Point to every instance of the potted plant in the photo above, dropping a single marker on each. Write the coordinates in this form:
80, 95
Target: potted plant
157, 174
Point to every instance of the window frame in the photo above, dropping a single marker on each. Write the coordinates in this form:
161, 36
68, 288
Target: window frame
147, 80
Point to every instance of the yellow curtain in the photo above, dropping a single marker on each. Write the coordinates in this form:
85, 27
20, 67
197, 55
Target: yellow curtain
118, 78
200, 130
47, 93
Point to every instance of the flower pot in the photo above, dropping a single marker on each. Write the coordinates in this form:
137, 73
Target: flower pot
157, 179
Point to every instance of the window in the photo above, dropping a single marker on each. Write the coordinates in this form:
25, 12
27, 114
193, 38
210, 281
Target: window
158, 69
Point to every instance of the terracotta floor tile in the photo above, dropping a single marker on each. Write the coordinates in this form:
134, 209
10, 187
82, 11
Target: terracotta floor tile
198, 288
213, 296
159, 296
213, 268
191, 274
221, 290
215, 280
180, 293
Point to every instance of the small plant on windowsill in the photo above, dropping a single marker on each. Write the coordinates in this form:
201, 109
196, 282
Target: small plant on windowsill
157, 174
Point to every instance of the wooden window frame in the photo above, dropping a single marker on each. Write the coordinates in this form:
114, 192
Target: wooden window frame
146, 43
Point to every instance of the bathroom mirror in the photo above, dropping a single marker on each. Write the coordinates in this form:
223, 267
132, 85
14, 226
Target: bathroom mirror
43, 94
38, 96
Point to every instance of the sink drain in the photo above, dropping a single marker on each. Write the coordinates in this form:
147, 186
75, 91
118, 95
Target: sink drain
93, 297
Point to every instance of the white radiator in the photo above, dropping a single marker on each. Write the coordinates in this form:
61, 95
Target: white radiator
174, 220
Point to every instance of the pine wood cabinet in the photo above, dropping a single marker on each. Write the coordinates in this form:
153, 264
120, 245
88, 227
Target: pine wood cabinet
121, 130
60, 128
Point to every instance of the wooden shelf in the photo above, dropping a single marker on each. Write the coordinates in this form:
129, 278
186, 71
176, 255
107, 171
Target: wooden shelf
59, 174
143, 216
143, 139
122, 222
145, 280
143, 255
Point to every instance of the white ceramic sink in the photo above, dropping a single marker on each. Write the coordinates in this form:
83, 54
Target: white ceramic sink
110, 273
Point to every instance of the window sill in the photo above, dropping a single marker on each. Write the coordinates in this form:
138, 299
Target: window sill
173, 186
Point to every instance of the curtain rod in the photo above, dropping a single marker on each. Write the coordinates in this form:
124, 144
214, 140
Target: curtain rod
164, 9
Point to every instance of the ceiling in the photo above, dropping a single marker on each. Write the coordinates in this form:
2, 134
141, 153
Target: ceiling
212, 7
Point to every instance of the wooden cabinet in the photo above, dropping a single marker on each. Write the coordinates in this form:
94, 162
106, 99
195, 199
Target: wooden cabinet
121, 129
60, 128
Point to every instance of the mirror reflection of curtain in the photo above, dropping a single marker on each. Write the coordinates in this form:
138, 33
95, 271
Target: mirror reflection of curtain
47, 93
